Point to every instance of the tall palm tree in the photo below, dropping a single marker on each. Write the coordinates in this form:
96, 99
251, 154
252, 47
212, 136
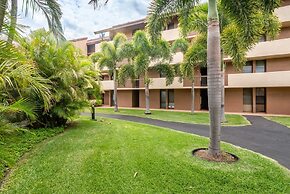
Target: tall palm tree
50, 8
150, 55
194, 56
245, 15
109, 56
127, 71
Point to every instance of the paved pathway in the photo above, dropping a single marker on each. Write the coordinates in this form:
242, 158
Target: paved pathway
263, 136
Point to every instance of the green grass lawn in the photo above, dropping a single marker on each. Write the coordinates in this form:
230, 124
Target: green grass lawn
184, 117
113, 156
282, 120
14, 144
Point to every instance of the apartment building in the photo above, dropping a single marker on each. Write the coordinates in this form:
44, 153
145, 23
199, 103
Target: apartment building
263, 86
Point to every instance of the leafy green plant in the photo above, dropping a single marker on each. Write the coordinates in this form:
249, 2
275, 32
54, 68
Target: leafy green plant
73, 78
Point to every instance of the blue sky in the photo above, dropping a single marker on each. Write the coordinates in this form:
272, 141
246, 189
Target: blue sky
81, 20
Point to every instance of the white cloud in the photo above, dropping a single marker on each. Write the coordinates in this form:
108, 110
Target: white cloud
81, 20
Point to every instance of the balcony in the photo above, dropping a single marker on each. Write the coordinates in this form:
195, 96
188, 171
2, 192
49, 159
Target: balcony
267, 79
173, 34
160, 83
107, 85
170, 35
269, 49
283, 15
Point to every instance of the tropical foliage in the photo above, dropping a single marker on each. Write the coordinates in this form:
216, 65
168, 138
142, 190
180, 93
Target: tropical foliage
43, 82
110, 55
143, 55
245, 23
72, 77
9, 12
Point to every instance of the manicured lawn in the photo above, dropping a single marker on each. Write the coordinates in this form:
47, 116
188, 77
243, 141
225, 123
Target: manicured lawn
113, 156
282, 120
184, 117
14, 144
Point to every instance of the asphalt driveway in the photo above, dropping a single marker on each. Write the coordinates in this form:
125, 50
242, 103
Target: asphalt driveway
263, 136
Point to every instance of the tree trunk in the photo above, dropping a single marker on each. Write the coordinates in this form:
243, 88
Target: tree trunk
115, 91
192, 97
3, 5
147, 111
223, 117
13, 14
214, 78
147, 98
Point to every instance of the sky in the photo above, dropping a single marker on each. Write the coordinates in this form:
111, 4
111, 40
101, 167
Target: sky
81, 20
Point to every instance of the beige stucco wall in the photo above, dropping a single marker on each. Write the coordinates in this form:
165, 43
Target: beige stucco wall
278, 100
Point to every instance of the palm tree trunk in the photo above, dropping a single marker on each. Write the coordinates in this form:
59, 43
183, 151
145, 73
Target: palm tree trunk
13, 14
3, 5
147, 98
115, 91
214, 78
223, 117
192, 97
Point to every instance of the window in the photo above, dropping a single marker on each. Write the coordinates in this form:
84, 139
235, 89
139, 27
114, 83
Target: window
248, 68
170, 26
260, 66
248, 99
162, 74
167, 99
263, 38
91, 48
260, 99
171, 99
163, 98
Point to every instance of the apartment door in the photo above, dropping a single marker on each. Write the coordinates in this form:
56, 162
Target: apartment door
163, 96
112, 98
203, 79
135, 98
204, 99
248, 100
171, 99
260, 99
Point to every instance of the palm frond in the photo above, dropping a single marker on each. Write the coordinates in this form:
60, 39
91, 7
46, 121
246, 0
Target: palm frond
51, 10
167, 70
119, 39
160, 11
125, 72
22, 105
180, 44
98, 3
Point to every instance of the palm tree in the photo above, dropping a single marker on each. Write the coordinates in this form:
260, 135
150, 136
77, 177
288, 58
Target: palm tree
72, 77
50, 8
245, 16
150, 55
127, 71
109, 56
194, 56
